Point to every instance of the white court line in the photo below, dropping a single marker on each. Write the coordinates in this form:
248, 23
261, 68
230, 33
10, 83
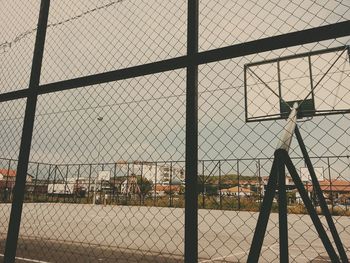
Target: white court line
227, 256
272, 247
28, 259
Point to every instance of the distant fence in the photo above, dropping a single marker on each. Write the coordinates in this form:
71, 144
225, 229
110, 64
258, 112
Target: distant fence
223, 184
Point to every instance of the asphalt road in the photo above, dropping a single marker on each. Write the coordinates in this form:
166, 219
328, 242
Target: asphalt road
87, 233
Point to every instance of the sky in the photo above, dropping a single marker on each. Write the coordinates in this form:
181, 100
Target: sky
144, 118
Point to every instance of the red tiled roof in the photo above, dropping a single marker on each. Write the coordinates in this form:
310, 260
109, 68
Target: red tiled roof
174, 188
6, 172
333, 185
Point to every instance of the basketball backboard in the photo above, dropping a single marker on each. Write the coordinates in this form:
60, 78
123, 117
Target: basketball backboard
305, 174
104, 175
318, 81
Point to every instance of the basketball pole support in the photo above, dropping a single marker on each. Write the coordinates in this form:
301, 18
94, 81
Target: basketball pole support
320, 197
277, 177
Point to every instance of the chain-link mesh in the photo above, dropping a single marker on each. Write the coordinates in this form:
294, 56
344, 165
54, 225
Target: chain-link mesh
223, 23
99, 145
86, 37
11, 126
244, 151
106, 177
18, 27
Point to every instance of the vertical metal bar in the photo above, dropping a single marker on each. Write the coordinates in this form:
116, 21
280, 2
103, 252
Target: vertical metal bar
89, 186
311, 210
118, 189
245, 93
259, 182
191, 177
101, 199
26, 140
311, 81
94, 180
279, 85
203, 186
141, 190
220, 185
321, 198
36, 182
6, 192
66, 184
282, 212
330, 185
127, 185
78, 186
171, 181
264, 215
312, 84
54, 182
8, 174
47, 183
114, 175
238, 188
155, 185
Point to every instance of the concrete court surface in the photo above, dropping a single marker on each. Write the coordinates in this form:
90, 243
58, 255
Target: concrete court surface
56, 232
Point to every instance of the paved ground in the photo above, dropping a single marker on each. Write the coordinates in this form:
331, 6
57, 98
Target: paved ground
86, 233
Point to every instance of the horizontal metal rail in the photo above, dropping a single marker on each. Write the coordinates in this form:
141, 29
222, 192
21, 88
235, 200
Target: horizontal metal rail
301, 55
306, 36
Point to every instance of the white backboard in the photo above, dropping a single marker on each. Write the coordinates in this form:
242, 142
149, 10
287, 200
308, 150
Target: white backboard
305, 175
104, 175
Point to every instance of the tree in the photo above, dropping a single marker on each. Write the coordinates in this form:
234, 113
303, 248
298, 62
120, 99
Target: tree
144, 185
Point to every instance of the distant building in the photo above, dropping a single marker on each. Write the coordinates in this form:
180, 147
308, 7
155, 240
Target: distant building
290, 186
61, 189
157, 173
289, 180
162, 190
336, 188
8, 178
237, 191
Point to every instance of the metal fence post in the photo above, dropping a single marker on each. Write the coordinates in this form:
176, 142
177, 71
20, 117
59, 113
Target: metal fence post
191, 177
259, 183
77, 190
89, 184
26, 140
127, 185
170, 185
47, 183
6, 190
203, 186
155, 185
142, 188
220, 197
238, 188
54, 184
65, 185
36, 182
330, 185
114, 175
282, 212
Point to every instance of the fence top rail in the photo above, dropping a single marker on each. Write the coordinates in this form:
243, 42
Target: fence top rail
179, 161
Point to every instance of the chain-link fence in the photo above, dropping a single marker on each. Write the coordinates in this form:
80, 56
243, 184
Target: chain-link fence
110, 161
